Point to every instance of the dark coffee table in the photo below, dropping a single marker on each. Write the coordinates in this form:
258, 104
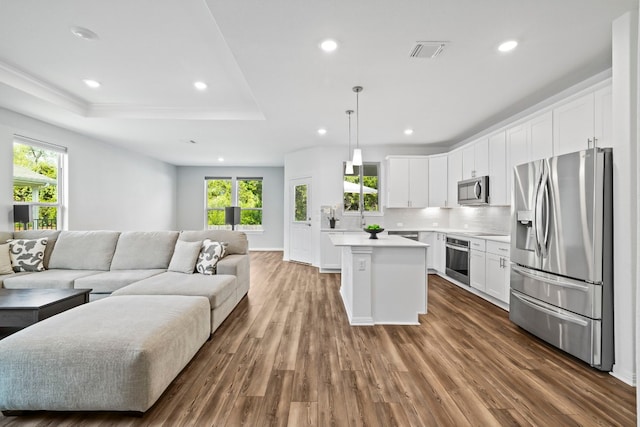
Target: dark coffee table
20, 308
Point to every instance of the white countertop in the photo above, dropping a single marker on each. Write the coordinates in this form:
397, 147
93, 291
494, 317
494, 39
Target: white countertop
382, 241
462, 233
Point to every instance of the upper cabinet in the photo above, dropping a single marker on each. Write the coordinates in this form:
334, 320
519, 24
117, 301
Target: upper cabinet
407, 181
577, 124
438, 191
498, 170
454, 174
475, 159
531, 140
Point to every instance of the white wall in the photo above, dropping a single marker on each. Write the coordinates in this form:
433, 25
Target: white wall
625, 182
108, 187
191, 212
323, 165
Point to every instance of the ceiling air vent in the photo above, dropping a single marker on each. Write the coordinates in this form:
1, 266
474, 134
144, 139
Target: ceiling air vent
426, 49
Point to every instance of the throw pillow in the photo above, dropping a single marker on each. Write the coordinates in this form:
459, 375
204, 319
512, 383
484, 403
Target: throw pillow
210, 254
185, 255
27, 255
5, 260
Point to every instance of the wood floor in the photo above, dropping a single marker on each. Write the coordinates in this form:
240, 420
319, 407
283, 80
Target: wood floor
287, 356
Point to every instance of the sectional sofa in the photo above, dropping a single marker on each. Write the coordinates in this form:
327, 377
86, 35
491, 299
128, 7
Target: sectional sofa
118, 353
137, 263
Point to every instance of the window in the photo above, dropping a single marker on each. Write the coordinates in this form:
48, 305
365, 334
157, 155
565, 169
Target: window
243, 192
37, 183
366, 176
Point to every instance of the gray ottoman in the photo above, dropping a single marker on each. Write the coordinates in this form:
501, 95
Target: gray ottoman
115, 354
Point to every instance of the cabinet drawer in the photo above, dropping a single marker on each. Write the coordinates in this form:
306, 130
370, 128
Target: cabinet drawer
498, 248
477, 244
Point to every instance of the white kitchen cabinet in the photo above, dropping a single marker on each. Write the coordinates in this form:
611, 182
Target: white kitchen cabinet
429, 237
330, 255
531, 140
497, 270
438, 191
475, 159
498, 170
477, 269
440, 252
407, 181
454, 174
577, 123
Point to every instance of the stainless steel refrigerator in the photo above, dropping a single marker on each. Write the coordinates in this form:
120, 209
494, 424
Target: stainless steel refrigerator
562, 253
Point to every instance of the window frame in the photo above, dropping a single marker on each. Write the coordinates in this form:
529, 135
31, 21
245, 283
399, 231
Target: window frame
61, 183
379, 211
235, 186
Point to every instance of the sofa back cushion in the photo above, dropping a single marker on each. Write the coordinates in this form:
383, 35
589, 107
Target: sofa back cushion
138, 250
84, 250
237, 242
51, 235
4, 236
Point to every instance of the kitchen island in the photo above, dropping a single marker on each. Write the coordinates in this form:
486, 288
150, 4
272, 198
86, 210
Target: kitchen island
384, 280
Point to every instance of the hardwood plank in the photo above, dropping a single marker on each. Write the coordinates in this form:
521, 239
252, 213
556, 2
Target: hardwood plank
287, 356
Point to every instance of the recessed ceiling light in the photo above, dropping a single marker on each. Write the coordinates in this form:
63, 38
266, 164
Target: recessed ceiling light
329, 45
84, 33
221, 159
322, 131
408, 131
200, 85
93, 84
508, 46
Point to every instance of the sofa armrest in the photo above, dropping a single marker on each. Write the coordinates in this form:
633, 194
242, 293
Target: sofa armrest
239, 266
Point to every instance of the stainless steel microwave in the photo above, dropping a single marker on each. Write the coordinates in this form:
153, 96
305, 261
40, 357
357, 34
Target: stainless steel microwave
474, 191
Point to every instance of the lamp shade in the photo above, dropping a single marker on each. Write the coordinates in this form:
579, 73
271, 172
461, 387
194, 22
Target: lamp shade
348, 168
22, 214
232, 215
357, 157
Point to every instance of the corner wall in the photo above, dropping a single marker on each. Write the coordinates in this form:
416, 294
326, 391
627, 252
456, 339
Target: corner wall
108, 187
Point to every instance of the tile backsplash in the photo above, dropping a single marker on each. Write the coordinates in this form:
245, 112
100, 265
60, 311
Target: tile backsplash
491, 219
494, 219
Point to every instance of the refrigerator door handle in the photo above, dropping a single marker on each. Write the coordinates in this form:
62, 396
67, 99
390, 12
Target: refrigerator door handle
544, 245
543, 278
550, 310
537, 214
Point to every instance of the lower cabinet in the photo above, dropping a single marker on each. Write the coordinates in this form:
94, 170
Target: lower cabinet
497, 270
330, 255
477, 269
440, 253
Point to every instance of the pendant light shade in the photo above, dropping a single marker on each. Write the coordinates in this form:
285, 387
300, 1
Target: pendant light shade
348, 169
357, 152
357, 157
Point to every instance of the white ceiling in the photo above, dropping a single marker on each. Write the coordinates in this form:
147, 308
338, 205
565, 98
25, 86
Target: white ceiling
271, 87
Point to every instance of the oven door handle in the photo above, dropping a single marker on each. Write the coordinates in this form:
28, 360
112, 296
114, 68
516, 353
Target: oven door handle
457, 248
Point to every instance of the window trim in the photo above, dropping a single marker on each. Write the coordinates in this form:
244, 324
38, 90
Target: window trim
376, 213
234, 202
61, 178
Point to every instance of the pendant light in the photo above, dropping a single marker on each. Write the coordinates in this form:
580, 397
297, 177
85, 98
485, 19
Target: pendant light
357, 153
348, 169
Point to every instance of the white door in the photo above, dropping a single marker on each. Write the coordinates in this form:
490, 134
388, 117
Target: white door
300, 248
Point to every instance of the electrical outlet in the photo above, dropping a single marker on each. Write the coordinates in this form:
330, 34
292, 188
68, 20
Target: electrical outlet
466, 226
435, 224
399, 224
362, 265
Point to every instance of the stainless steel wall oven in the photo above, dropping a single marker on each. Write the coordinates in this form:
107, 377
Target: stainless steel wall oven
457, 259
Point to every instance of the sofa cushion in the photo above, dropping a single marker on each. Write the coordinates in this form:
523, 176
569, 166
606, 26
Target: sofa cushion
185, 256
138, 250
84, 250
54, 279
4, 236
5, 259
210, 254
51, 235
237, 242
27, 254
109, 281
216, 288
108, 355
